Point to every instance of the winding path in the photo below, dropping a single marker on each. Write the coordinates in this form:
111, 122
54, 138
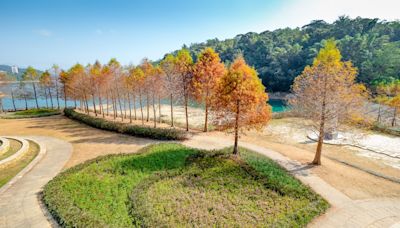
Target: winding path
20, 206
19, 201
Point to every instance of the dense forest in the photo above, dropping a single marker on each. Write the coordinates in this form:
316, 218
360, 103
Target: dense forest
280, 55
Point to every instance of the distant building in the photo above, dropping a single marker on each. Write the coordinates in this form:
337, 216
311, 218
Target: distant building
14, 69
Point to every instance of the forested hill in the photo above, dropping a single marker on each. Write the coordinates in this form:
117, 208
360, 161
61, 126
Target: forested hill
279, 56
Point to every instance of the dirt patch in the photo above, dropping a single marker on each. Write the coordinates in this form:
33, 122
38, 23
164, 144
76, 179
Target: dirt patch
87, 142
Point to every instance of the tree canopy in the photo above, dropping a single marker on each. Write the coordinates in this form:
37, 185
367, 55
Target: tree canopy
373, 46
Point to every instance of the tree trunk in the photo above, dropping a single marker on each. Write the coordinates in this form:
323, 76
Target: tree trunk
235, 147
87, 105
124, 102
154, 112
394, 117
134, 105
379, 114
58, 95
65, 97
45, 96
120, 106
108, 107
148, 107
13, 100
130, 109
94, 104
141, 106
51, 98
186, 112
34, 92
159, 109
26, 102
317, 158
101, 105
206, 118
172, 111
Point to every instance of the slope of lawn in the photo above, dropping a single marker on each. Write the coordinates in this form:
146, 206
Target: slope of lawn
31, 113
172, 185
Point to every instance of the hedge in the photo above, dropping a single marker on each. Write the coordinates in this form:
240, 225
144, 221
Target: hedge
128, 129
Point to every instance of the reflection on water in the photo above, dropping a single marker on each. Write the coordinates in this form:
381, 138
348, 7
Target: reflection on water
278, 105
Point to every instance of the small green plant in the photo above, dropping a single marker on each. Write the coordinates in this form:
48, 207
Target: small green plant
133, 130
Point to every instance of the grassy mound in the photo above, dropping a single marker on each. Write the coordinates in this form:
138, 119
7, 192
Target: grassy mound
31, 113
134, 130
172, 185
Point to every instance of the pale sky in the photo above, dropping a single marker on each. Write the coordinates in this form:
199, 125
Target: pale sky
45, 32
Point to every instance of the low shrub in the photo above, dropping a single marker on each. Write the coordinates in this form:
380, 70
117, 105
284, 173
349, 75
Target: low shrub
387, 130
128, 129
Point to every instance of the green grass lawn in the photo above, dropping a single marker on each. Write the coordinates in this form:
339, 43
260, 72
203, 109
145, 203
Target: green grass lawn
35, 112
11, 170
172, 185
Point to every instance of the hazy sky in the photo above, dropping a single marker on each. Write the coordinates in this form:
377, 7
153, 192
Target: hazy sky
43, 32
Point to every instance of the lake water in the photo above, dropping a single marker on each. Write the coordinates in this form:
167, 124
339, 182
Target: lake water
277, 105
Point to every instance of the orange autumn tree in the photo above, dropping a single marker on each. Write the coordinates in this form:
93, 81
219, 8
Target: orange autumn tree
326, 94
242, 101
207, 71
184, 69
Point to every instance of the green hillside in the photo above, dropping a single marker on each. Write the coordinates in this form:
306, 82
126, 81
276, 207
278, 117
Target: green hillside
280, 55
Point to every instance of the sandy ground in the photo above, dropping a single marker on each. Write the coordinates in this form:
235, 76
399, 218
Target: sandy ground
89, 143
196, 115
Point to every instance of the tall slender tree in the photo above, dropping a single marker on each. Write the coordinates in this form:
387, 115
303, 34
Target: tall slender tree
31, 75
241, 101
207, 71
327, 94
168, 65
184, 66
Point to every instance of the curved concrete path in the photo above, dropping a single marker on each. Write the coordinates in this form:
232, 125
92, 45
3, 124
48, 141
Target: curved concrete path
19, 203
344, 212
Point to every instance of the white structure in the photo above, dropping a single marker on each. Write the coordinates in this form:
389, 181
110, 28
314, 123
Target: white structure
14, 69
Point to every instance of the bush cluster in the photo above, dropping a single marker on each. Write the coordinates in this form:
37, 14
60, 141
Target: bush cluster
128, 129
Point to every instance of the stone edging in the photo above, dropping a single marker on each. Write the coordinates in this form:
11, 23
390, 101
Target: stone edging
24, 148
5, 145
39, 156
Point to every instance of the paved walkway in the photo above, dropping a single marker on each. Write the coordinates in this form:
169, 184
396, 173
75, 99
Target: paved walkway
20, 205
19, 202
345, 212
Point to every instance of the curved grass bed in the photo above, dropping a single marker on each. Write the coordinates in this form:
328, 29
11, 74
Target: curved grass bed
31, 113
9, 171
15, 145
172, 185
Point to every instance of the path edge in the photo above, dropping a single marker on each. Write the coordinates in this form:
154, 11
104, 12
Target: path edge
29, 167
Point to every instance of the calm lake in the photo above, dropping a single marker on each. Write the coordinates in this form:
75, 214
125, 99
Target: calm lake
277, 104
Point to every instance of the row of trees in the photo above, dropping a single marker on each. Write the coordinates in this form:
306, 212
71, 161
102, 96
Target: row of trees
233, 97
326, 92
